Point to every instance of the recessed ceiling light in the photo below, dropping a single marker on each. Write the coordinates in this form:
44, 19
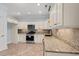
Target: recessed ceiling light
18, 13
29, 13
38, 4
40, 12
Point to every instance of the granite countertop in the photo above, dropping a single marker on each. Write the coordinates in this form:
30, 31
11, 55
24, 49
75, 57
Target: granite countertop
52, 44
35, 33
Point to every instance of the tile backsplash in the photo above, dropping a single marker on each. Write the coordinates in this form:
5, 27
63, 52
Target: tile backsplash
68, 35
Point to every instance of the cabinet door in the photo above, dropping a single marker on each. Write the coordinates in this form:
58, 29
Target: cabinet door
55, 14
51, 17
21, 37
59, 14
38, 38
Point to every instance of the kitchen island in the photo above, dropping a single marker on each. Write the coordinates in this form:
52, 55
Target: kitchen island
53, 45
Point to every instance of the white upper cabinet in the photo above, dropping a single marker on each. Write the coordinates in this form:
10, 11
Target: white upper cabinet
65, 15
56, 15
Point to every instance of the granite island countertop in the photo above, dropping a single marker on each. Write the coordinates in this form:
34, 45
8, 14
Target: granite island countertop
52, 44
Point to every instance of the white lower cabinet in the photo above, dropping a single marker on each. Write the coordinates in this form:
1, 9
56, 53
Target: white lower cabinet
3, 43
21, 37
38, 38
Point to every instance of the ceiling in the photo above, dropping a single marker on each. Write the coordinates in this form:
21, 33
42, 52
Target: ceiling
28, 11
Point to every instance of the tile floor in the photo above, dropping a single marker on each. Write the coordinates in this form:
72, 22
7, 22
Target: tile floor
51, 44
23, 49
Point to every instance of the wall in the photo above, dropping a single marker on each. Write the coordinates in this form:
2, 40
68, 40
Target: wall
71, 12
69, 36
3, 28
40, 24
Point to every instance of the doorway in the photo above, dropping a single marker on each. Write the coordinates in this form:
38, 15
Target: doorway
12, 35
